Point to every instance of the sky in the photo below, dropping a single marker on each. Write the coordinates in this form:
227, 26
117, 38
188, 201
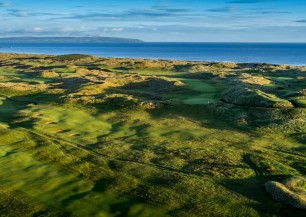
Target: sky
158, 21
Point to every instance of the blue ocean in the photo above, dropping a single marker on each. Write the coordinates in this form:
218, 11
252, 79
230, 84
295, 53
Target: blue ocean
275, 53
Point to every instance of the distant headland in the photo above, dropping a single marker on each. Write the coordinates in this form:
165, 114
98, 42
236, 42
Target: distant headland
68, 40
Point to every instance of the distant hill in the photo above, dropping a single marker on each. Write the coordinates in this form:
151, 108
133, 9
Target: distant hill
68, 40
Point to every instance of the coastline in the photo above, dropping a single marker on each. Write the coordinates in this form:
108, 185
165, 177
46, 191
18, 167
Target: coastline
291, 66
271, 53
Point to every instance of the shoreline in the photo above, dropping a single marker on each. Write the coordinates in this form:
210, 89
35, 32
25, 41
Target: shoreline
161, 59
292, 54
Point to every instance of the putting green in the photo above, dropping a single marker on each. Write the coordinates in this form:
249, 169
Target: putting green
204, 92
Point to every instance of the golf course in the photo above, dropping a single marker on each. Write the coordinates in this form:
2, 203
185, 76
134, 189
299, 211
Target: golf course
104, 137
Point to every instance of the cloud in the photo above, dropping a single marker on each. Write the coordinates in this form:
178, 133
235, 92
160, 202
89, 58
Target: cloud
117, 29
223, 9
64, 31
133, 14
168, 9
5, 4
145, 21
43, 31
273, 12
154, 12
247, 1
17, 13
25, 13
37, 29
300, 21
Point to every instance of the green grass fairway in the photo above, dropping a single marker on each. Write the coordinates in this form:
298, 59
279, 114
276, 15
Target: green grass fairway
206, 92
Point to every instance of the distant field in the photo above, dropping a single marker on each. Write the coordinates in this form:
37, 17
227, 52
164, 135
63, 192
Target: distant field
89, 136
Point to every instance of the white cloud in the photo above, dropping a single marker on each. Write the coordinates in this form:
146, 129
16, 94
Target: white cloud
117, 29
5, 4
37, 29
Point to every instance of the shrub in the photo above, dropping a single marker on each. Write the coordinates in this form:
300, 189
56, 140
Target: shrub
292, 192
244, 95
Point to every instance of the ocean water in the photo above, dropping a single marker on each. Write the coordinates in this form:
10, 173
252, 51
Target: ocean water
275, 53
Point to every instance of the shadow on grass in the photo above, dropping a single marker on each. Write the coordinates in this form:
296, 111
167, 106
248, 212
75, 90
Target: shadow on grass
254, 189
11, 107
71, 85
18, 66
42, 68
140, 131
122, 209
99, 187
122, 68
202, 113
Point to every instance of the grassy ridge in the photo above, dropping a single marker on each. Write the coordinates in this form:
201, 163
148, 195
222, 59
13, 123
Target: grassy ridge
89, 136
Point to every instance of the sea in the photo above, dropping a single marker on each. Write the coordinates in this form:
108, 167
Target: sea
273, 53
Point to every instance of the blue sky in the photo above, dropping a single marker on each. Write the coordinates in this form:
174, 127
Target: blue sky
161, 20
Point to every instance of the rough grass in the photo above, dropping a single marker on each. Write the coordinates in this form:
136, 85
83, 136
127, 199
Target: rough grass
251, 97
291, 192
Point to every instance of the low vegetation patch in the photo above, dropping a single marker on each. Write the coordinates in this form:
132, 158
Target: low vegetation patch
292, 191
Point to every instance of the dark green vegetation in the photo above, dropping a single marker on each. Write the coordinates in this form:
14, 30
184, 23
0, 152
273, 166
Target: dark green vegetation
88, 136
292, 191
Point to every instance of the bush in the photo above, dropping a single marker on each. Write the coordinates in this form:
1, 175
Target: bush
48, 74
244, 95
70, 57
293, 192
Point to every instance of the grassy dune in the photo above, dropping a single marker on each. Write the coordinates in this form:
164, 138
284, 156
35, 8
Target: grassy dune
88, 136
